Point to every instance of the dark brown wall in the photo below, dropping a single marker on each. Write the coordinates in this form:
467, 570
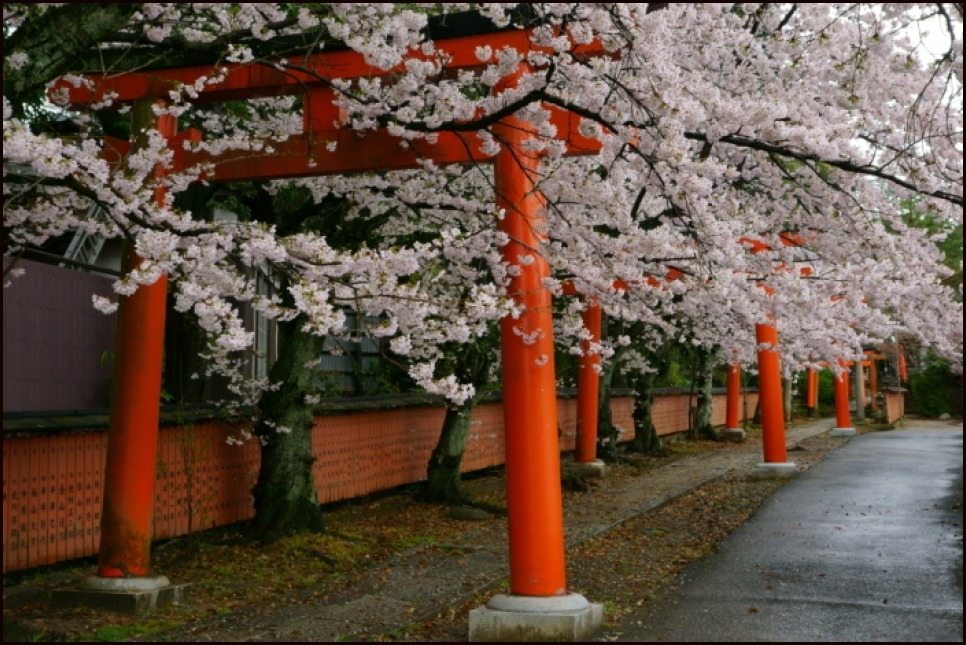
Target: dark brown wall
54, 340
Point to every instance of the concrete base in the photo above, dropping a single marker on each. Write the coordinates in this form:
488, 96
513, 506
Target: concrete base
535, 619
842, 432
586, 469
136, 595
786, 470
733, 434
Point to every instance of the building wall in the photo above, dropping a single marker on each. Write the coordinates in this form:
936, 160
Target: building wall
55, 344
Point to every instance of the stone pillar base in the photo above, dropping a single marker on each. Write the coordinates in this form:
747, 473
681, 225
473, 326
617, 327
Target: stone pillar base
586, 469
733, 434
135, 595
786, 470
511, 618
842, 432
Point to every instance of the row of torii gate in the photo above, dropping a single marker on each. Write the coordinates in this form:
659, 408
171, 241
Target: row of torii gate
538, 595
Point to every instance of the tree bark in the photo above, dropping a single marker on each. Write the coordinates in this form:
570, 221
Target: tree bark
646, 439
787, 398
470, 364
703, 411
607, 433
286, 501
443, 472
858, 386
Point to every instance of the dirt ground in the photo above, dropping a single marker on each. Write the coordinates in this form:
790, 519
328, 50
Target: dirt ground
237, 582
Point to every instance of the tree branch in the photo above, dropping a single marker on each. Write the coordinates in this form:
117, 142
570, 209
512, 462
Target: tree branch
848, 166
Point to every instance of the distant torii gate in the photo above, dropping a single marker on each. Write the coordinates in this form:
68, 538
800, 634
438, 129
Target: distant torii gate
529, 384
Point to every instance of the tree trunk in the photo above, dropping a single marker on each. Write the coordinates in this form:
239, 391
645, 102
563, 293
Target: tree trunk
858, 385
646, 439
787, 399
470, 363
286, 501
443, 471
607, 433
703, 411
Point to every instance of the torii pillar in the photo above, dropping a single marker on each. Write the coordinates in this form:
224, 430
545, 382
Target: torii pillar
586, 463
776, 464
733, 429
124, 581
811, 392
843, 424
539, 606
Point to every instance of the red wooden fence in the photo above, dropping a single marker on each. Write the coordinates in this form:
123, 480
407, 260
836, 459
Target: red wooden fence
52, 483
895, 404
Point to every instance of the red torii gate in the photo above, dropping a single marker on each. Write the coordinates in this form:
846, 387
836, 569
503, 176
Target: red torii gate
529, 385
770, 385
532, 450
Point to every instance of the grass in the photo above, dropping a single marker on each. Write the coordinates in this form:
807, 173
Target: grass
409, 541
124, 633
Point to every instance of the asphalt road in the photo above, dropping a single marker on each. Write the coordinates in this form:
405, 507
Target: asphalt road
865, 546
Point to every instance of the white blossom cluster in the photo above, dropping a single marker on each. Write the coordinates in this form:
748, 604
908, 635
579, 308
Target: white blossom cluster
716, 124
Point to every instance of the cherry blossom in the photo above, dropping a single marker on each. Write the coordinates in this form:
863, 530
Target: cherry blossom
716, 124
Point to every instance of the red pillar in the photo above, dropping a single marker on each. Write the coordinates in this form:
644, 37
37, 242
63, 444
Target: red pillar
733, 408
128, 511
873, 382
588, 388
534, 506
811, 392
770, 391
842, 419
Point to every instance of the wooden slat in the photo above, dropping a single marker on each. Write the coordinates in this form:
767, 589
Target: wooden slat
357, 453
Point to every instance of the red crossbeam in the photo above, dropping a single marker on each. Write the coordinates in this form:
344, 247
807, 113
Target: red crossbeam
301, 72
323, 148
345, 151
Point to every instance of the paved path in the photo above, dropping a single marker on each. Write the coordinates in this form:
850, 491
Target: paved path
864, 546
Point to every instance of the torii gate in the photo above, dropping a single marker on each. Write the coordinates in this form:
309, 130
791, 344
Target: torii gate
538, 591
539, 597
775, 462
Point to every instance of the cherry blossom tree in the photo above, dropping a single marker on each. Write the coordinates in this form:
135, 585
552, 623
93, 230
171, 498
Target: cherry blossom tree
716, 124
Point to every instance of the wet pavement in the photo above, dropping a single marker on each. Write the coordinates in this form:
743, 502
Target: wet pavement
865, 546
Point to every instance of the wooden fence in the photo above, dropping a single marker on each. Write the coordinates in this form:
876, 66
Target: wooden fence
895, 404
53, 481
